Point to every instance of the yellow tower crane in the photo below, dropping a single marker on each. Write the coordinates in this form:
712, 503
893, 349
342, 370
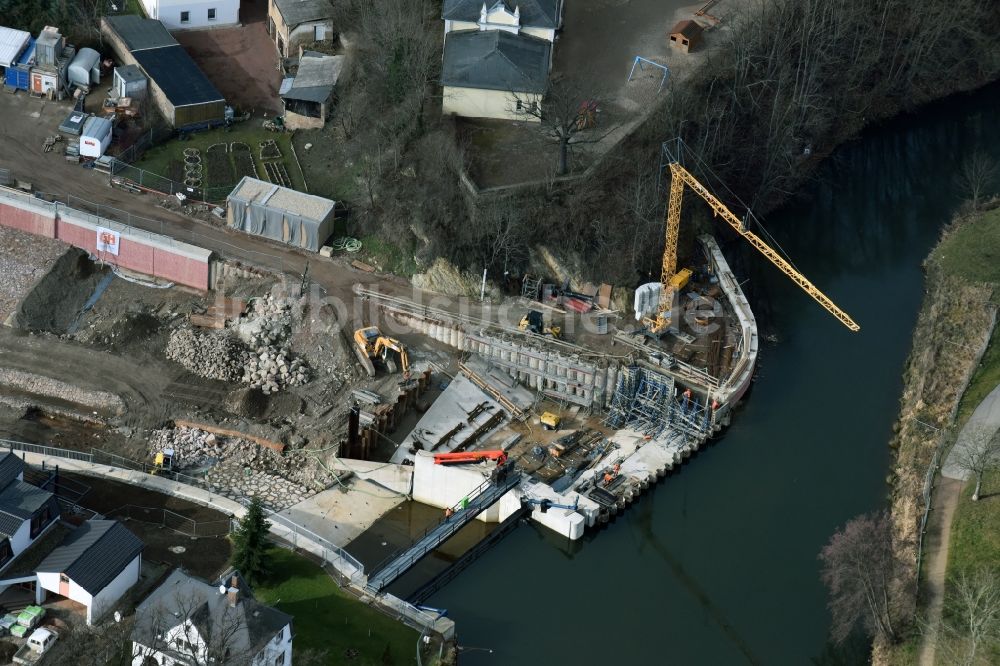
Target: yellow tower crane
671, 279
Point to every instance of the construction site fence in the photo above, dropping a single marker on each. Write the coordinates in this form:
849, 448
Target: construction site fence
153, 181
14, 445
172, 520
153, 137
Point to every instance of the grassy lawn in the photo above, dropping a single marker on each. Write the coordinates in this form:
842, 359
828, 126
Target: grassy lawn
167, 159
984, 380
975, 530
387, 256
331, 620
973, 250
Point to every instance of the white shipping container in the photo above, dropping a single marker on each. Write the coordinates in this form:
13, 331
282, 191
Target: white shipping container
96, 137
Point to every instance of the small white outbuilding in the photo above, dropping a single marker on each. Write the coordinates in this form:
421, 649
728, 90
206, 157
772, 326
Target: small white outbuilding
85, 68
96, 137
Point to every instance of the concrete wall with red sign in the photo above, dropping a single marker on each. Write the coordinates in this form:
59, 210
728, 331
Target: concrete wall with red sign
111, 242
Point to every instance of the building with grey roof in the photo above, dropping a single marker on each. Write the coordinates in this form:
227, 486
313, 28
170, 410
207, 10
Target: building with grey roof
280, 213
540, 15
26, 511
307, 97
94, 566
180, 91
189, 620
494, 74
296, 23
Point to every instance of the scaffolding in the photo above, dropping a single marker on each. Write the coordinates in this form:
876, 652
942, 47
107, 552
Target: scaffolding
645, 401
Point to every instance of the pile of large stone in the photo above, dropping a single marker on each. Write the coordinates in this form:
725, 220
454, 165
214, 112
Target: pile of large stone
271, 367
240, 468
212, 354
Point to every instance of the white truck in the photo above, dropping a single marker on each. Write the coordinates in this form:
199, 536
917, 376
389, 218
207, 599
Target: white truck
36, 647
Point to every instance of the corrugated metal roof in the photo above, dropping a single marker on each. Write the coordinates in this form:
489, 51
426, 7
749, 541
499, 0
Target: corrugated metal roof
495, 60
533, 13
12, 43
139, 33
97, 128
309, 206
177, 75
315, 78
93, 554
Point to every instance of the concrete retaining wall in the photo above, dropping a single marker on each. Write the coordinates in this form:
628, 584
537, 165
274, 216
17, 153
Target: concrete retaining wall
139, 251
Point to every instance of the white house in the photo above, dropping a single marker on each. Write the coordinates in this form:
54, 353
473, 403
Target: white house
185, 14
538, 18
494, 74
186, 620
95, 566
26, 511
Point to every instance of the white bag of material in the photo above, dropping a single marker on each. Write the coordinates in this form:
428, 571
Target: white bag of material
647, 300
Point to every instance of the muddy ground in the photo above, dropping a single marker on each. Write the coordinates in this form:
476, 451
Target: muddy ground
141, 510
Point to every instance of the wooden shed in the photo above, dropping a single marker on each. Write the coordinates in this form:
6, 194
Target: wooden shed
685, 36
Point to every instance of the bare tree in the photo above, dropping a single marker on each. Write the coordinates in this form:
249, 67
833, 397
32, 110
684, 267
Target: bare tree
975, 175
568, 115
860, 569
977, 453
970, 629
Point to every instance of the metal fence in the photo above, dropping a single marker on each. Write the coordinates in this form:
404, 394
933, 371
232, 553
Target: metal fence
15, 445
172, 520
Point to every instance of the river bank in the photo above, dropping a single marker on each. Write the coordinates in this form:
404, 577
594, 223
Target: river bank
953, 331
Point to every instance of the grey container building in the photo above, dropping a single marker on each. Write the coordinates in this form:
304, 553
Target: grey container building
85, 69
281, 214
129, 82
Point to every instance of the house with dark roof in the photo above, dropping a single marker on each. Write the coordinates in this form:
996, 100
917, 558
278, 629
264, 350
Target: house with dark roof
94, 566
296, 23
494, 74
538, 18
26, 511
188, 621
180, 91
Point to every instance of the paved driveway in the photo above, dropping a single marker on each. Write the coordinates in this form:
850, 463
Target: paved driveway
242, 61
988, 414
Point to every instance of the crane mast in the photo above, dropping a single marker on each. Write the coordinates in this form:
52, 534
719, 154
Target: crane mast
681, 177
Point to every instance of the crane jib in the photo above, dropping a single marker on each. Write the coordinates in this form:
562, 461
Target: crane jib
681, 176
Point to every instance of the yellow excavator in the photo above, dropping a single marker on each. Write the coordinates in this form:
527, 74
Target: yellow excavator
373, 345
673, 280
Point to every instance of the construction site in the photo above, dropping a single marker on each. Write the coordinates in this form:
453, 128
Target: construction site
557, 403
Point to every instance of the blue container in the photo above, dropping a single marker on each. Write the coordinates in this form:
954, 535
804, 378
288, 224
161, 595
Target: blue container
17, 75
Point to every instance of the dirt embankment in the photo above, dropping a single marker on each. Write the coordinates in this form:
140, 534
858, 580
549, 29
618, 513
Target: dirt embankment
953, 329
57, 300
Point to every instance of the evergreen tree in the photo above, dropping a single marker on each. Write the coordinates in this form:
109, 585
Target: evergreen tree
250, 544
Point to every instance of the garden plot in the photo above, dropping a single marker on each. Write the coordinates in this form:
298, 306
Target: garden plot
243, 159
219, 171
277, 174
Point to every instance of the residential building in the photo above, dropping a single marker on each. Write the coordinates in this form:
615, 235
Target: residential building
494, 74
186, 14
186, 620
308, 96
296, 23
538, 18
95, 566
26, 511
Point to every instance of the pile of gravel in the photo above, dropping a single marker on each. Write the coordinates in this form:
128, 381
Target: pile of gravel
271, 367
212, 354
240, 468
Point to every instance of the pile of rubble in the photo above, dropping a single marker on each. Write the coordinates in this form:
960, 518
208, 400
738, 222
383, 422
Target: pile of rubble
240, 468
267, 332
212, 354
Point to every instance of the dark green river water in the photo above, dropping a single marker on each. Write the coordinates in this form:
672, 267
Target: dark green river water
717, 564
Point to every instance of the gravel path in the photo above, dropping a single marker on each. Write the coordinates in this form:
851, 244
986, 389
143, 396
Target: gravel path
24, 260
